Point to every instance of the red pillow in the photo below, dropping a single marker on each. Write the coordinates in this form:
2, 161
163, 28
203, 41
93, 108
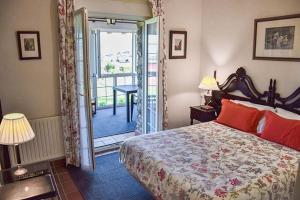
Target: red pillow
239, 116
282, 131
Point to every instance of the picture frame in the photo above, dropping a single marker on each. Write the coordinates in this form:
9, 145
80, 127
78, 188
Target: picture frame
177, 45
29, 45
277, 38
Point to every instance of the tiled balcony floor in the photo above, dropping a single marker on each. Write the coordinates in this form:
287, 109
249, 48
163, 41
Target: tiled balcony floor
106, 124
115, 139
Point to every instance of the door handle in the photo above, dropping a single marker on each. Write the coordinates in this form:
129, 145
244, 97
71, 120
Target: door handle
83, 95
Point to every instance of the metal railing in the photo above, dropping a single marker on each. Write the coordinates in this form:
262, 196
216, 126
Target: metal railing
104, 85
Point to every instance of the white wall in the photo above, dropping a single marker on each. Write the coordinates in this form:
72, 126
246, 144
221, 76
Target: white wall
227, 41
29, 86
183, 74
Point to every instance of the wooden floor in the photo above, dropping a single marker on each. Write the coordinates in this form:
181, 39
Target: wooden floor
66, 187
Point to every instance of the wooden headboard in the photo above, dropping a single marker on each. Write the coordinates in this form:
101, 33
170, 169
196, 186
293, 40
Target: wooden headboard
291, 102
4, 152
241, 82
1, 115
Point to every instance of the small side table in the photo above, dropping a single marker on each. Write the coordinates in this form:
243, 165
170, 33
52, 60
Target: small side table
38, 183
127, 89
94, 107
201, 114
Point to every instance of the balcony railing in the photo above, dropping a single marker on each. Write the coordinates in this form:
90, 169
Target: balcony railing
103, 95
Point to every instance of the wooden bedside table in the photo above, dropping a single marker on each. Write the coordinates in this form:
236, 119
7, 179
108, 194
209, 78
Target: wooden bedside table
38, 183
202, 115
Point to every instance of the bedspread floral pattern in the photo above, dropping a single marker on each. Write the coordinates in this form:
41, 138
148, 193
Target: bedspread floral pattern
211, 161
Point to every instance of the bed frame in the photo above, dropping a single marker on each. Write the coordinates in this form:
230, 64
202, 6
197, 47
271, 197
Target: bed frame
4, 154
241, 82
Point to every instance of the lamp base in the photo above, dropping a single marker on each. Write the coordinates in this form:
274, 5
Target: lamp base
20, 171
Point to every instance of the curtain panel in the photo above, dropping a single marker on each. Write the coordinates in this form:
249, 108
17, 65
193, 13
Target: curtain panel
158, 9
68, 87
139, 70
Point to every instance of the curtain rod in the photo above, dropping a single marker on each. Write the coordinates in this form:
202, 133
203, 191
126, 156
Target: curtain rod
94, 19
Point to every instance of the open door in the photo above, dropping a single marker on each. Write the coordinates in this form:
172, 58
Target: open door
94, 59
83, 85
152, 76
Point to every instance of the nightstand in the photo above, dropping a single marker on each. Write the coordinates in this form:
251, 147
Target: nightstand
201, 114
37, 184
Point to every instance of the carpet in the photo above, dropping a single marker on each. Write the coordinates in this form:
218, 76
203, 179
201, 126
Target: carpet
110, 181
107, 124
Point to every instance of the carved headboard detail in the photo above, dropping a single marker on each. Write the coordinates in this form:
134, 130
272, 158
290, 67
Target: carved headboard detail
291, 102
4, 152
1, 115
240, 81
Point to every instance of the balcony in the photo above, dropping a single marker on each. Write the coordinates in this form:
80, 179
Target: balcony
104, 122
112, 63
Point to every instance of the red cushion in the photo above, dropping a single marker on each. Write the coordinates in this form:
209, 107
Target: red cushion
282, 131
239, 116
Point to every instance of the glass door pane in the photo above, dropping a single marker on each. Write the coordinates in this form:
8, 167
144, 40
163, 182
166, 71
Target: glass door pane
83, 85
93, 61
152, 75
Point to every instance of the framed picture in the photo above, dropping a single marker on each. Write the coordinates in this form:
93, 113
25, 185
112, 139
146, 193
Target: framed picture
277, 38
29, 45
177, 48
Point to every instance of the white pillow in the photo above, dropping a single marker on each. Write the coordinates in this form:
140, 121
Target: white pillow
254, 105
261, 125
287, 114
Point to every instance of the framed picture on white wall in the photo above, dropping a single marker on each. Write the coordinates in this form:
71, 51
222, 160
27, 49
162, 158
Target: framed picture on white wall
277, 38
177, 44
29, 45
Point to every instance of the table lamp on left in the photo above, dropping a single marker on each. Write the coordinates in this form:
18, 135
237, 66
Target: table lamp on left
14, 130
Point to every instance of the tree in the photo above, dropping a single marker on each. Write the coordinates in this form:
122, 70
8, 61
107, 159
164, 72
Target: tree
109, 67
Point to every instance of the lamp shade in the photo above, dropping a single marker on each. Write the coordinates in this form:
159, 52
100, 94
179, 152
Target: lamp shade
208, 83
15, 129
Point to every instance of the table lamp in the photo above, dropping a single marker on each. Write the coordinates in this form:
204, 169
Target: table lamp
208, 83
14, 130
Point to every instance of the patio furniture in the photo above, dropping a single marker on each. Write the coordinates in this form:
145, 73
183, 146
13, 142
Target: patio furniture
94, 109
132, 102
127, 89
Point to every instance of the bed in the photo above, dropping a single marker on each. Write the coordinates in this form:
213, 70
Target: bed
214, 161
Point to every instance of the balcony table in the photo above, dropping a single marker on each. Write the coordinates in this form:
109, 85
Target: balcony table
127, 89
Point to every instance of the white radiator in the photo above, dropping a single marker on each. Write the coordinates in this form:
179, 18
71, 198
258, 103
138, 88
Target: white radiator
48, 142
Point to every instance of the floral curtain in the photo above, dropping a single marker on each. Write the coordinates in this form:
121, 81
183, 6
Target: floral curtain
158, 9
68, 90
139, 70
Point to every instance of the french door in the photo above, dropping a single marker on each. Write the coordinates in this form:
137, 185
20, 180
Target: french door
83, 85
94, 61
152, 76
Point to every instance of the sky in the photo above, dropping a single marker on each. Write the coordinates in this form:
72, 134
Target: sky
115, 42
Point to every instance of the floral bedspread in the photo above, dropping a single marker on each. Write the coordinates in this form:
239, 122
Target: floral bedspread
211, 161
